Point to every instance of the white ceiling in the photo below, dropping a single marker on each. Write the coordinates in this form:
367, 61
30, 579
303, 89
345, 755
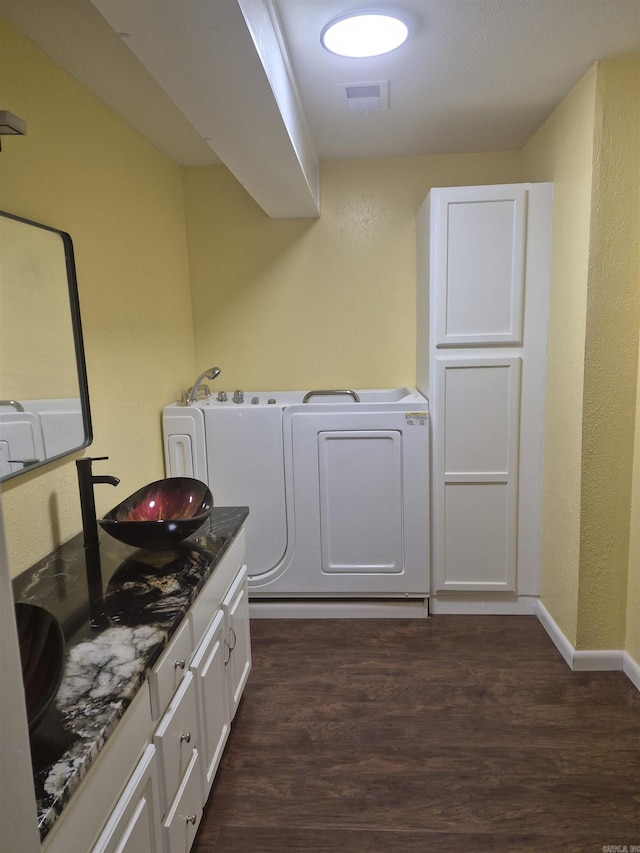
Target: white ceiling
476, 75
196, 77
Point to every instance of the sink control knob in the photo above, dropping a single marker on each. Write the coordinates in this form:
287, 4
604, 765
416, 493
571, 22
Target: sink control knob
271, 401
222, 397
255, 401
238, 396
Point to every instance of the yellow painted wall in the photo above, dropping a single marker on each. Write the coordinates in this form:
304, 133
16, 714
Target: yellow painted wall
83, 170
589, 148
625, 80
321, 303
562, 151
611, 358
632, 638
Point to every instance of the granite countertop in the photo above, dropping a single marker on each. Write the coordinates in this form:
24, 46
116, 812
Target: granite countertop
112, 640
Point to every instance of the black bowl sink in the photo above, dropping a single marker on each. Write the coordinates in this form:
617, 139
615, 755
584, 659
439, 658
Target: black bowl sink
42, 654
160, 514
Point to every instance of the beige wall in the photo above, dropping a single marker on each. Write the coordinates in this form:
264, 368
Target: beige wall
632, 639
562, 151
611, 359
320, 303
81, 169
588, 147
630, 103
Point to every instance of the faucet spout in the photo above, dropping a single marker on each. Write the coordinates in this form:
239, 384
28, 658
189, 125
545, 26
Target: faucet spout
192, 394
86, 481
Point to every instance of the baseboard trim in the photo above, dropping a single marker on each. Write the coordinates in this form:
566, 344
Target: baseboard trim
631, 669
595, 660
336, 609
559, 640
483, 604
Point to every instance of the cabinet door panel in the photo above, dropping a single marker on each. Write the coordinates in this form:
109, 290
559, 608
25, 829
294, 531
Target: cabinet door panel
364, 469
236, 610
479, 542
475, 473
208, 666
479, 265
134, 825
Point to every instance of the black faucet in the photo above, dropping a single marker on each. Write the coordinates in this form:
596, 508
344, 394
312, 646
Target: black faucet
86, 481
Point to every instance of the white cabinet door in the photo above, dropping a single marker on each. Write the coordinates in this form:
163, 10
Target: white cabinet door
238, 641
478, 265
208, 667
475, 473
134, 825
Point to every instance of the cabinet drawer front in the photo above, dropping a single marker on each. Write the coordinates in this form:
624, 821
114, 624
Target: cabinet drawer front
182, 821
170, 669
176, 739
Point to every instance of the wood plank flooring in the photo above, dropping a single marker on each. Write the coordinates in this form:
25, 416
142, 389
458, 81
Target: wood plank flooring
456, 733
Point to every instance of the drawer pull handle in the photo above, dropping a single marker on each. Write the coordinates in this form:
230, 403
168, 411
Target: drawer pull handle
186, 738
180, 664
192, 819
227, 648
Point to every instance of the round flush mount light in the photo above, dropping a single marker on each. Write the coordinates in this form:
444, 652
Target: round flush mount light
361, 34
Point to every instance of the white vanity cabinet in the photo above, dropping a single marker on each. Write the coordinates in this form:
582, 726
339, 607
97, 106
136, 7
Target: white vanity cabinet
146, 791
483, 292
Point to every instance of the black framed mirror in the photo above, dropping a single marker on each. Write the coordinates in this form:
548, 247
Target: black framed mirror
44, 396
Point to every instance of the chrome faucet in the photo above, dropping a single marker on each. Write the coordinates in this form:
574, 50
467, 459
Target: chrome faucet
192, 393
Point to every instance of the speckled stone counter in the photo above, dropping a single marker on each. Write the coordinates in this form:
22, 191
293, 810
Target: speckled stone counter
113, 637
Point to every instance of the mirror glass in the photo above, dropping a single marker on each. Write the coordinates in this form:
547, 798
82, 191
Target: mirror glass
44, 399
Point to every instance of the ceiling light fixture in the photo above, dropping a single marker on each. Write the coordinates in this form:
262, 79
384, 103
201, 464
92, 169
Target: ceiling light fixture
362, 34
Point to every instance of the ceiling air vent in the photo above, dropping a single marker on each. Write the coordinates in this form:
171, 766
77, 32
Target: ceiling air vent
367, 97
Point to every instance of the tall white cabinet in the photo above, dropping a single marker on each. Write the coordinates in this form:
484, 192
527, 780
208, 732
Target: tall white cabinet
483, 293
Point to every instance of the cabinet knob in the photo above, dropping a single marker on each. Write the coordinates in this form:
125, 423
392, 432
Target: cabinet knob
180, 664
186, 738
192, 818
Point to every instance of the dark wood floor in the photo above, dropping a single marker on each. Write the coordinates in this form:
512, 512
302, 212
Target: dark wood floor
458, 733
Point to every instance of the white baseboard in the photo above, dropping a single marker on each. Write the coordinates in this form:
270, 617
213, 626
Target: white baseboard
631, 669
559, 640
335, 609
595, 660
483, 604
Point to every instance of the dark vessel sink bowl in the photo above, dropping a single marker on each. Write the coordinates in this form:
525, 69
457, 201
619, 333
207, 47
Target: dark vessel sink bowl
42, 654
161, 514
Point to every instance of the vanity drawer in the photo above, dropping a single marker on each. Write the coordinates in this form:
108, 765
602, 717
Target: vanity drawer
176, 739
182, 821
170, 669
